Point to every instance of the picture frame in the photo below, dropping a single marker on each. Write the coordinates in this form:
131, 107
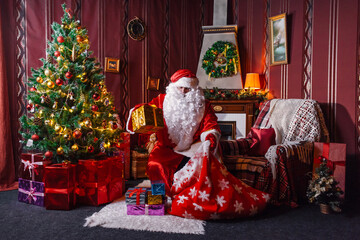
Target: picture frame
278, 40
153, 84
112, 65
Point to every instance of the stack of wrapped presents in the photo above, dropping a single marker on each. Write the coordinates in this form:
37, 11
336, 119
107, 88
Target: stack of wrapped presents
146, 201
64, 186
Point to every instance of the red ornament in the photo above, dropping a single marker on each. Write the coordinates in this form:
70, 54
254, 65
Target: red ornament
57, 53
90, 149
32, 89
35, 137
95, 139
60, 39
114, 126
95, 108
48, 154
59, 82
68, 75
96, 96
77, 134
29, 107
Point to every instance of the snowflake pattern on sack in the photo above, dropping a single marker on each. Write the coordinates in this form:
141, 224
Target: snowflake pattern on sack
204, 189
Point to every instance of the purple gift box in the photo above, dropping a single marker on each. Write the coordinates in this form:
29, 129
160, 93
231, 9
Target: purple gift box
158, 209
31, 192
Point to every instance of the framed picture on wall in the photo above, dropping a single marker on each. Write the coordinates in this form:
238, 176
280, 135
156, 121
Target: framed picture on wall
278, 40
112, 65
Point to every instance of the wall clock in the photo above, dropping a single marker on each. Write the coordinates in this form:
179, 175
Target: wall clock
136, 29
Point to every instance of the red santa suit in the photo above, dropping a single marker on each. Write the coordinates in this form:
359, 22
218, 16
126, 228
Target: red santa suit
203, 188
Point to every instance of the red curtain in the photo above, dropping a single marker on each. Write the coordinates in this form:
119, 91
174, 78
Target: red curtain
7, 165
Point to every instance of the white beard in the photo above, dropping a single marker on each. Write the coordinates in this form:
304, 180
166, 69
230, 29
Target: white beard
183, 114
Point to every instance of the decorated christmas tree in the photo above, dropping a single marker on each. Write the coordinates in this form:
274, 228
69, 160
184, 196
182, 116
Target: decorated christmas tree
71, 114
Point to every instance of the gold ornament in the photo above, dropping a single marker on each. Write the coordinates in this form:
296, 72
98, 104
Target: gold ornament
58, 128
50, 84
58, 59
75, 147
47, 72
67, 134
39, 79
61, 48
60, 151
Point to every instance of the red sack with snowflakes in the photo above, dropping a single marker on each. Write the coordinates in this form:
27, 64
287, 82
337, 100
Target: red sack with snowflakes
204, 189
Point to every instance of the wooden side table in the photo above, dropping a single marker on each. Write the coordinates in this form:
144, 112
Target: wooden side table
237, 106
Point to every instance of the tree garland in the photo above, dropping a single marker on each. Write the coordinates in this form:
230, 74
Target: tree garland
221, 60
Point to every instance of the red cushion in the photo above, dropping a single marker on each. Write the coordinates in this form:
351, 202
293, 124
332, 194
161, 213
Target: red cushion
262, 139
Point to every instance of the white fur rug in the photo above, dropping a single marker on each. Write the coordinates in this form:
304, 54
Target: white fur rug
114, 216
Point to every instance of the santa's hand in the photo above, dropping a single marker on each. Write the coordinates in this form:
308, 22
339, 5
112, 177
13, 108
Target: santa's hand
213, 141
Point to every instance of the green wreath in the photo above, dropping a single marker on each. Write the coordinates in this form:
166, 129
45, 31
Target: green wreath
221, 60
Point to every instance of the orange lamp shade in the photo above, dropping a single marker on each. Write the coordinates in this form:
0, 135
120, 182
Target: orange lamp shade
252, 81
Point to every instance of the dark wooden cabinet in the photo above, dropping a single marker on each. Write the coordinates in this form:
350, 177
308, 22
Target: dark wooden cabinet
247, 107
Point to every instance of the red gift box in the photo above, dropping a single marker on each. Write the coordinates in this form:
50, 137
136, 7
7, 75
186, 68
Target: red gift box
100, 181
60, 180
32, 166
335, 154
125, 147
117, 184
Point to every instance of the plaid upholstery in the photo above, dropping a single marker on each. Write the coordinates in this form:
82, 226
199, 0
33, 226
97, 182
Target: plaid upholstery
246, 168
290, 168
235, 147
262, 121
291, 174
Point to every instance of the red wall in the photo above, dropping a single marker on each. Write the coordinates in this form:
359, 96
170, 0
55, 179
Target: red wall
323, 50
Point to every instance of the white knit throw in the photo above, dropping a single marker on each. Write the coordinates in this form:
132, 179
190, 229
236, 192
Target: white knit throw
294, 120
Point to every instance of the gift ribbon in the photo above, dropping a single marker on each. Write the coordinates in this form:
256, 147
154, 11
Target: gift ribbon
330, 164
59, 190
31, 194
136, 191
155, 119
31, 166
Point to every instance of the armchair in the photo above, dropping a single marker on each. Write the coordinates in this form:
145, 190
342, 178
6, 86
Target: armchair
276, 155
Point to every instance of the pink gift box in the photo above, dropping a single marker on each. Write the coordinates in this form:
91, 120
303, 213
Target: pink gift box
154, 210
335, 154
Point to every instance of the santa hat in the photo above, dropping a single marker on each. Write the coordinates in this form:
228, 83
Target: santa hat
184, 78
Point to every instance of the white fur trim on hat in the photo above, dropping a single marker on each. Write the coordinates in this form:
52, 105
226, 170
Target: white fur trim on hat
187, 82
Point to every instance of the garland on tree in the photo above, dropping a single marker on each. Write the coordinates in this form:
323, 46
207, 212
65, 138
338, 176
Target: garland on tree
221, 60
71, 115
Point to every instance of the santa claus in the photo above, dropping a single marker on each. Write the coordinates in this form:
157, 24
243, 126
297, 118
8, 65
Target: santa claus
202, 187
189, 120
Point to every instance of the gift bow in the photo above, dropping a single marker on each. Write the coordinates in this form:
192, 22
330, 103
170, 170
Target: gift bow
31, 166
136, 191
31, 194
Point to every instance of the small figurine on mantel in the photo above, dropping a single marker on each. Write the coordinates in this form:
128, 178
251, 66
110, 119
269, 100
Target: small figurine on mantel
151, 143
